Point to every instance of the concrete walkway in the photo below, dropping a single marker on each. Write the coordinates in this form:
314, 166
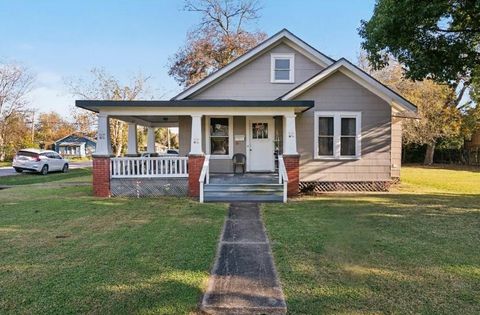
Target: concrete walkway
243, 279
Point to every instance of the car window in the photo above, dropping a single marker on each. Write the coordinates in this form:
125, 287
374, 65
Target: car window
57, 156
27, 153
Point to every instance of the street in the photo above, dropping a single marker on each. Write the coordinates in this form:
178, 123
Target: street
6, 171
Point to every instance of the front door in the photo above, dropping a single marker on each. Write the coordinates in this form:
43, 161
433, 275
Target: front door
260, 146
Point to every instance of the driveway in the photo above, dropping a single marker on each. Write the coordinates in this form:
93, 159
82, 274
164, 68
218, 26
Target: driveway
6, 171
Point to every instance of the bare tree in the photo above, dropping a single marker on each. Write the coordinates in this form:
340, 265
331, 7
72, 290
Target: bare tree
221, 37
15, 84
104, 86
225, 16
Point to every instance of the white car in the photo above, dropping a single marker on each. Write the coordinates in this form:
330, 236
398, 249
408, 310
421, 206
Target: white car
41, 161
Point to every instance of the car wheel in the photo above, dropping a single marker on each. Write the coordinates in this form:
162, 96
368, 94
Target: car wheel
65, 168
18, 170
44, 170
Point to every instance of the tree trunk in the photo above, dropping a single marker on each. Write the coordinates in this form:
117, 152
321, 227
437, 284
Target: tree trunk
429, 154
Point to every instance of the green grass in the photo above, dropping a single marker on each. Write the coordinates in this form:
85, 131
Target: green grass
3, 164
63, 251
415, 250
27, 178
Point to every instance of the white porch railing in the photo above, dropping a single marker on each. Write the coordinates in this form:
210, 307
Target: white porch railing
204, 175
283, 177
132, 167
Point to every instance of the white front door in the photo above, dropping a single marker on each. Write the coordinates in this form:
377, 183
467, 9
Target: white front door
260, 145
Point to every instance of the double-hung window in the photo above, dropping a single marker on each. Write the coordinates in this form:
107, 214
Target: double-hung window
337, 135
219, 133
282, 68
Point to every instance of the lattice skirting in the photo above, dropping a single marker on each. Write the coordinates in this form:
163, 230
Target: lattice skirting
320, 187
148, 187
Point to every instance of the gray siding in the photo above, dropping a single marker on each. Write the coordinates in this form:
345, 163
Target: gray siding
184, 134
252, 81
396, 146
340, 93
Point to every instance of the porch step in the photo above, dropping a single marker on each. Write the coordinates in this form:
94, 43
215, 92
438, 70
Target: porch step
243, 192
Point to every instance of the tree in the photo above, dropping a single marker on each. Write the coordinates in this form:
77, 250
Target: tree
104, 86
438, 119
85, 122
432, 39
52, 127
15, 84
437, 40
220, 38
166, 137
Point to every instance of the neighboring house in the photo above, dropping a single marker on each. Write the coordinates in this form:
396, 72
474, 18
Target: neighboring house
303, 120
75, 145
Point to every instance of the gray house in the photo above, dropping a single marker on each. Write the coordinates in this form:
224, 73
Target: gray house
301, 120
75, 145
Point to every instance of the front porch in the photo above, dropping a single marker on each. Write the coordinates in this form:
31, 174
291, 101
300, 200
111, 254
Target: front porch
210, 135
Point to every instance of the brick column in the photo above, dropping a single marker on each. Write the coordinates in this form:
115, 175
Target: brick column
195, 164
292, 165
101, 176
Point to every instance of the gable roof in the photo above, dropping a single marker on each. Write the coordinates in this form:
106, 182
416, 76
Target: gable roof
77, 135
309, 51
359, 76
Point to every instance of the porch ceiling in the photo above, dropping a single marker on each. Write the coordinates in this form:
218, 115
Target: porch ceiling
150, 121
98, 105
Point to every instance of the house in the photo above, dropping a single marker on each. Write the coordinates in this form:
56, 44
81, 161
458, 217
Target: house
75, 145
303, 120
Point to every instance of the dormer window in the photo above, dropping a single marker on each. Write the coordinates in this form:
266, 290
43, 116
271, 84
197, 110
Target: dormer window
282, 66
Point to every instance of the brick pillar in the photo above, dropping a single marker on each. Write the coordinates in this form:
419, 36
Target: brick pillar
292, 165
101, 176
195, 164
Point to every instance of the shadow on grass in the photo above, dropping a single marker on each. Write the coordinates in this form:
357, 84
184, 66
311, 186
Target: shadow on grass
379, 253
451, 167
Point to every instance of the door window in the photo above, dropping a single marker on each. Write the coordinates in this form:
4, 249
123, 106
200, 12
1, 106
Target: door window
259, 130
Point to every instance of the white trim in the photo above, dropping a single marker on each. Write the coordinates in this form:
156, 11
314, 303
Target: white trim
318, 57
358, 76
197, 111
230, 138
291, 70
337, 116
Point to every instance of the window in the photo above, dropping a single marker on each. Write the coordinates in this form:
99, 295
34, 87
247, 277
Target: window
338, 135
260, 131
282, 66
219, 137
325, 136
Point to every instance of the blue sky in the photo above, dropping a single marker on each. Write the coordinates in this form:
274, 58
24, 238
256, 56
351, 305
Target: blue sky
60, 39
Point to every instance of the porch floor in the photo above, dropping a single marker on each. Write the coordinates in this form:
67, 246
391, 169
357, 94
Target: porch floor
247, 178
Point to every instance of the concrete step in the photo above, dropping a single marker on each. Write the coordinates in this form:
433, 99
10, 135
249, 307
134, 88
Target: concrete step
243, 198
243, 187
243, 192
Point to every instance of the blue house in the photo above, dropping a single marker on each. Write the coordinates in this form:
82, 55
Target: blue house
75, 145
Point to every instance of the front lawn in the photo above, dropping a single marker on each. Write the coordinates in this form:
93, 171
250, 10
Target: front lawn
63, 251
415, 250
26, 178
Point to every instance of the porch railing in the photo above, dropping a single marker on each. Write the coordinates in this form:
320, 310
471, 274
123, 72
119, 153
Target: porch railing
204, 175
132, 167
283, 177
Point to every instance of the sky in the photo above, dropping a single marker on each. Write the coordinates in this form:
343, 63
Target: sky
59, 40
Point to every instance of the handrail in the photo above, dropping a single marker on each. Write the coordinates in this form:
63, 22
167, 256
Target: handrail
204, 175
283, 177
